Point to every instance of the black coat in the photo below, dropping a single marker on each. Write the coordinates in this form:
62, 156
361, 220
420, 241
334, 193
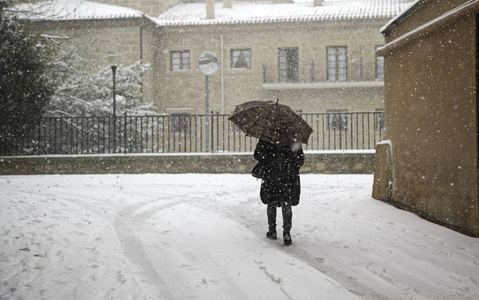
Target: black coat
281, 182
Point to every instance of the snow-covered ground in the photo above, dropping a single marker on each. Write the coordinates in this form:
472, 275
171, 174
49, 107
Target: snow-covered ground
200, 236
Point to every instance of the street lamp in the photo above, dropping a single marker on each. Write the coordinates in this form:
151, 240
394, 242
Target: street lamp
114, 61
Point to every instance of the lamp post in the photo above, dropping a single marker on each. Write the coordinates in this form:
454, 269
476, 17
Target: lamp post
114, 61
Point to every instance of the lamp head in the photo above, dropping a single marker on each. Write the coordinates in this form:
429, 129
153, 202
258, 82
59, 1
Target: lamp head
113, 60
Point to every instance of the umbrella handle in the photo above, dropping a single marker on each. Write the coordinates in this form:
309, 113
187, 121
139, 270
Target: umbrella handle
277, 100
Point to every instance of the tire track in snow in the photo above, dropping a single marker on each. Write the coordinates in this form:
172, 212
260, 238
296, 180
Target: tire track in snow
128, 228
204, 262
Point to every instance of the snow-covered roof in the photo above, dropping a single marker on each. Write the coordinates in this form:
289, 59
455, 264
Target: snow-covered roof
403, 15
73, 10
267, 11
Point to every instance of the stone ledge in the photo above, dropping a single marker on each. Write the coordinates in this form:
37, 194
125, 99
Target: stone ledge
239, 163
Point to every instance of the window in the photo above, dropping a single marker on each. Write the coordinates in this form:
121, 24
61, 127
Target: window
180, 60
379, 67
181, 123
288, 64
337, 63
240, 59
337, 120
380, 125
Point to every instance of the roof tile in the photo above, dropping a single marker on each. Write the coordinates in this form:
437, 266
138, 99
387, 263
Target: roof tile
267, 11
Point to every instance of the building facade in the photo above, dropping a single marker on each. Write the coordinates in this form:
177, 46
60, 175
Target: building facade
319, 57
321, 68
316, 56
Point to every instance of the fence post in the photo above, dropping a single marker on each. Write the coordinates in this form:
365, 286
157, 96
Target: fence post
212, 131
125, 135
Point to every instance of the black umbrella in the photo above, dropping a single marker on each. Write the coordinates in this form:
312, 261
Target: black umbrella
271, 122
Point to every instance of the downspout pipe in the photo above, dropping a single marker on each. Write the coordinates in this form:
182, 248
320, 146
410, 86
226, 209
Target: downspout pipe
222, 75
141, 36
141, 46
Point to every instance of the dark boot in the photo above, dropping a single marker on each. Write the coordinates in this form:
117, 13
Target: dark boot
272, 235
287, 238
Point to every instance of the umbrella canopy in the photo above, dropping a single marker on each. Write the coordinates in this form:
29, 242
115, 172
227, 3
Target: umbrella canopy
271, 122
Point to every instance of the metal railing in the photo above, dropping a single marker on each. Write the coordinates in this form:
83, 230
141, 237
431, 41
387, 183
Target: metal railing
321, 73
180, 133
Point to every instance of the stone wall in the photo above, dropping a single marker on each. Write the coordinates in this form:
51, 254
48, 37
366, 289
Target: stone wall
325, 163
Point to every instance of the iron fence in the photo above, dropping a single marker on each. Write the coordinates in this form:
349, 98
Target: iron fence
180, 134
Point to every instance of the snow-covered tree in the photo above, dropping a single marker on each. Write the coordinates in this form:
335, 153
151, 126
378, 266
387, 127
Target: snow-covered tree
24, 86
34, 85
79, 93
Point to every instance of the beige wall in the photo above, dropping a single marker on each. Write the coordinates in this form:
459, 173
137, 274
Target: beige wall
183, 92
430, 92
95, 40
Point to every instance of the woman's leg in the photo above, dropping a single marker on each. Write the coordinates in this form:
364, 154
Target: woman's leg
271, 212
287, 216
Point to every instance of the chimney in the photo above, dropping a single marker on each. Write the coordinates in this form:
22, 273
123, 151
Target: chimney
318, 2
227, 3
210, 9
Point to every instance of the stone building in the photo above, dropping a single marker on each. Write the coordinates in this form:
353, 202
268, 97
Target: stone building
96, 30
316, 56
430, 162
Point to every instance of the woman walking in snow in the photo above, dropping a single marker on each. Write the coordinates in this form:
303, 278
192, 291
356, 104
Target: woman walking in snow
280, 186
